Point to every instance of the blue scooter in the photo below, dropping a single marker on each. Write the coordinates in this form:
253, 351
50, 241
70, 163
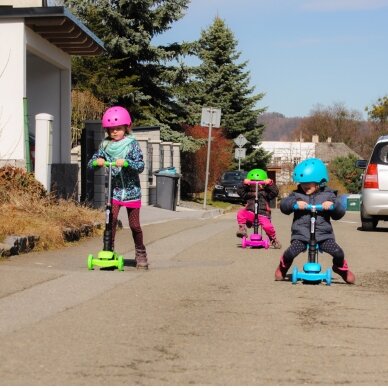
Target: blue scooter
312, 269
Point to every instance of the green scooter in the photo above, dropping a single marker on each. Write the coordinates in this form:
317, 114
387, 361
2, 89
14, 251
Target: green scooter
107, 258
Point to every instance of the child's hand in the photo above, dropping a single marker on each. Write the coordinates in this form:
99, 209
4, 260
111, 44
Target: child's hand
301, 204
326, 205
100, 162
268, 181
120, 162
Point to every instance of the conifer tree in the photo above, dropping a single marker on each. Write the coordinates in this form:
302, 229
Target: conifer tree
221, 82
133, 71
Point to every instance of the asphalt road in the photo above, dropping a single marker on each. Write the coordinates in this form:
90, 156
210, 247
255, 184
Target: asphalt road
206, 313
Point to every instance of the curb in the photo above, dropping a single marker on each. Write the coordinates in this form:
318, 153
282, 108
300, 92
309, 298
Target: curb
16, 245
212, 213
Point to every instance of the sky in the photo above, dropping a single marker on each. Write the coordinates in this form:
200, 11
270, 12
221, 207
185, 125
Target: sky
302, 53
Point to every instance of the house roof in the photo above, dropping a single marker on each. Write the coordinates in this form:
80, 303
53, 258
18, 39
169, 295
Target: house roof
329, 151
59, 26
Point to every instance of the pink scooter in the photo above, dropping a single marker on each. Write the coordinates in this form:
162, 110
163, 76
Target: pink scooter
255, 240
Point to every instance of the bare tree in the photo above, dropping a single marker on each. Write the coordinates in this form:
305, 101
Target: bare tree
335, 122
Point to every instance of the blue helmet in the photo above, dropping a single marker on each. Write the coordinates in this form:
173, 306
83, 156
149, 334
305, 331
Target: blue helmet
311, 170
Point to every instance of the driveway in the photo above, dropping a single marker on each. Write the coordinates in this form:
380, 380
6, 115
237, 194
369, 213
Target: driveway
206, 313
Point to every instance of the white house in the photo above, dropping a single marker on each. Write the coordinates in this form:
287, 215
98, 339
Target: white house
36, 45
287, 154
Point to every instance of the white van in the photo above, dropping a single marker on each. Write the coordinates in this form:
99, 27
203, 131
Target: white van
374, 190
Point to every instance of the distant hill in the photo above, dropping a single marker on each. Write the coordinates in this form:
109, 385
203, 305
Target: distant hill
277, 126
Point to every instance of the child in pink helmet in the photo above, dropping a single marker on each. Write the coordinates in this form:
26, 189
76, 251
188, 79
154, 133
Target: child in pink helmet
120, 146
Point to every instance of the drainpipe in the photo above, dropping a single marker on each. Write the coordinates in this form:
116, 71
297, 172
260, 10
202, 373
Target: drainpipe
26, 136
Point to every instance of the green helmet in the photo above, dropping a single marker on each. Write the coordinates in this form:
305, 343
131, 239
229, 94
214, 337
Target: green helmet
257, 175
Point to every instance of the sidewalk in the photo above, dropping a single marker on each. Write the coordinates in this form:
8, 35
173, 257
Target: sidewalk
154, 215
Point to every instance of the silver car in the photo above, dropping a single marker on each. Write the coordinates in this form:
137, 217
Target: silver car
374, 191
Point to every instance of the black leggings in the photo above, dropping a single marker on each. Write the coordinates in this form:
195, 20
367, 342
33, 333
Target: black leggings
329, 246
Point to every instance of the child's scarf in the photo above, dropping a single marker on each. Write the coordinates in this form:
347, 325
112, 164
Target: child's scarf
118, 149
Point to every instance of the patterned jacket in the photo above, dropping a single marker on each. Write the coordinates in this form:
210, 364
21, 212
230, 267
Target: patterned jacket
125, 180
300, 228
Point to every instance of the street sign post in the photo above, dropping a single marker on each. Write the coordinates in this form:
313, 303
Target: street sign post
240, 140
240, 152
210, 117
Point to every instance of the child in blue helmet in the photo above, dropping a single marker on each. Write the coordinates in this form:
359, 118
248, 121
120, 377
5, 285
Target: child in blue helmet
311, 176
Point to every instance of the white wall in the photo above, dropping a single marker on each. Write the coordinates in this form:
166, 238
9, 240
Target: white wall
289, 151
12, 90
49, 91
285, 154
44, 77
22, 3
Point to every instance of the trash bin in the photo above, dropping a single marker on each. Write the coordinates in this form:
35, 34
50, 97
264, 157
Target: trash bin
353, 202
167, 188
344, 200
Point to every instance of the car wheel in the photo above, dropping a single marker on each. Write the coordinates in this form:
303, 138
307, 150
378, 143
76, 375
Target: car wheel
367, 223
368, 226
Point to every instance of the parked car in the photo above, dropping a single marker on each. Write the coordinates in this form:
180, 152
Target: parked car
226, 187
374, 190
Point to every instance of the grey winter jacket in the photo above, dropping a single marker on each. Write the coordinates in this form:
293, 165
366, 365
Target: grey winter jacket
300, 228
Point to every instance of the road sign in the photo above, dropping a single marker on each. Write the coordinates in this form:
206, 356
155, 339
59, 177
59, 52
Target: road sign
211, 116
240, 140
240, 153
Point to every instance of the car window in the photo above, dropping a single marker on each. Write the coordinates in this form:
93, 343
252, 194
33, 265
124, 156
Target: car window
380, 154
233, 176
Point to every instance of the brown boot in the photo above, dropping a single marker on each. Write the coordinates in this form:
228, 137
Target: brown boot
242, 231
275, 243
141, 259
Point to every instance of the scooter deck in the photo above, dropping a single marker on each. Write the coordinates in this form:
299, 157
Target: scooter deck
255, 241
106, 259
312, 277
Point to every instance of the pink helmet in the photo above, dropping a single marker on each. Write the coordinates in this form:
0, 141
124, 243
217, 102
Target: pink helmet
115, 116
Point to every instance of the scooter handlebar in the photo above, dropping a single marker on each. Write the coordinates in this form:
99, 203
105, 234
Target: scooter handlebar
311, 207
107, 164
250, 182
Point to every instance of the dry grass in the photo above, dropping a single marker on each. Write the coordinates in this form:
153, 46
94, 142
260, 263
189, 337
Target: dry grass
26, 209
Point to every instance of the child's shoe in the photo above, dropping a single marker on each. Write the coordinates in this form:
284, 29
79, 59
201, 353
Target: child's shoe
275, 243
242, 231
141, 259
281, 270
346, 274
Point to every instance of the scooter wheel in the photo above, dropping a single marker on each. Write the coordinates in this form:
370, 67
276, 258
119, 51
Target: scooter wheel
294, 277
328, 277
90, 262
244, 242
120, 263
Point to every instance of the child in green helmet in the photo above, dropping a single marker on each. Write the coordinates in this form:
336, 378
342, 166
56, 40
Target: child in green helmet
245, 217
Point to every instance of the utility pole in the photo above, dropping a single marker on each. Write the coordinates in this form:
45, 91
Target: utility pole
211, 117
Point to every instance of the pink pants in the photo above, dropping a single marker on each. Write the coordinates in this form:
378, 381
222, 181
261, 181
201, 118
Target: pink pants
244, 216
